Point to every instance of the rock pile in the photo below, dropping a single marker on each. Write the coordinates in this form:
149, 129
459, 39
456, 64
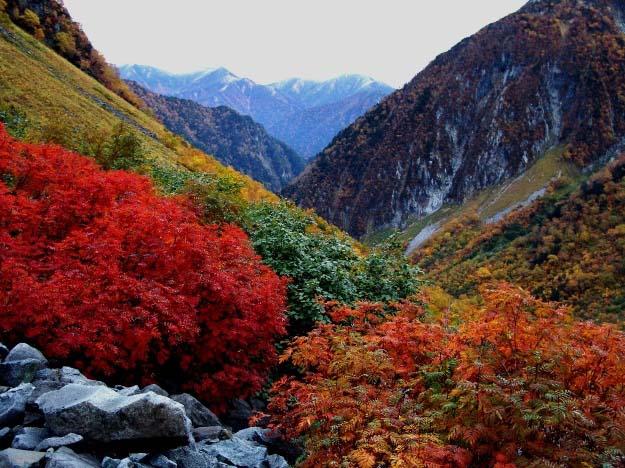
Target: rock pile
57, 418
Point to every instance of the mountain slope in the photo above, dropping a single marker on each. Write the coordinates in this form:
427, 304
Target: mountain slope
234, 139
552, 74
304, 114
568, 246
50, 22
52, 100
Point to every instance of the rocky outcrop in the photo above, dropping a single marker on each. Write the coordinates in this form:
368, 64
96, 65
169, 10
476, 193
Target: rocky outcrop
550, 75
234, 139
58, 418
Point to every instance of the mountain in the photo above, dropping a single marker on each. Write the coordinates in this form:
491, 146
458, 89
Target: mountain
234, 139
551, 75
304, 114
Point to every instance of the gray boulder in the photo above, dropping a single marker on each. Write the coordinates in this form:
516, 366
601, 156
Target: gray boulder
103, 415
159, 461
238, 452
67, 458
188, 457
14, 458
211, 434
56, 442
276, 461
21, 365
23, 351
13, 373
108, 462
156, 389
28, 438
129, 391
199, 414
13, 404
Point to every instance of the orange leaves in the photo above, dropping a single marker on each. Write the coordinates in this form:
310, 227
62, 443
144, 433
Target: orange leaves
519, 382
97, 269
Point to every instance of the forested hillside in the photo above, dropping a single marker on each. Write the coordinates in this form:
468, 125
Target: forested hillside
233, 139
568, 247
547, 76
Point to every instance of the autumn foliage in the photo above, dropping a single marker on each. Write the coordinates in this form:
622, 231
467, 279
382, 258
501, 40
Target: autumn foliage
100, 272
515, 382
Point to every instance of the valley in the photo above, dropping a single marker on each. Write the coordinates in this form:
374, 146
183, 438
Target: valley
202, 271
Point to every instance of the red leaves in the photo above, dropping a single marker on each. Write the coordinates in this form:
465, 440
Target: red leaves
95, 267
519, 382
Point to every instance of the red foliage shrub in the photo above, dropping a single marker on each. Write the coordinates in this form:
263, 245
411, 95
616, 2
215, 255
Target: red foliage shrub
99, 271
518, 383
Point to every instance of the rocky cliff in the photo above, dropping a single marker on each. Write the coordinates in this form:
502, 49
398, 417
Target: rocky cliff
234, 139
551, 74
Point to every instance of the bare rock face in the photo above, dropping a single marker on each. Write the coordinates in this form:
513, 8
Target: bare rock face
478, 115
103, 415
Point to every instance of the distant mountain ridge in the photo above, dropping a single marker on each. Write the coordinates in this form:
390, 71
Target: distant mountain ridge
551, 75
305, 114
234, 139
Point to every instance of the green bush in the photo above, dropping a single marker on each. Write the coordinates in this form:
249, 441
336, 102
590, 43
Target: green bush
323, 265
124, 150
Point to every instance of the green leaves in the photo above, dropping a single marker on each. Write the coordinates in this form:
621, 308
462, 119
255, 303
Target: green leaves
323, 266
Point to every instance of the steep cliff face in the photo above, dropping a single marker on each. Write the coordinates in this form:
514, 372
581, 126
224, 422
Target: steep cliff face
234, 139
551, 74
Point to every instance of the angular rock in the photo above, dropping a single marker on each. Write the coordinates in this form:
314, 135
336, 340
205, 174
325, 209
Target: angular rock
238, 452
14, 458
56, 442
22, 352
211, 434
199, 414
276, 461
159, 461
258, 435
108, 462
3, 351
21, 365
129, 391
67, 458
103, 415
129, 463
13, 404
13, 373
156, 389
28, 438
187, 457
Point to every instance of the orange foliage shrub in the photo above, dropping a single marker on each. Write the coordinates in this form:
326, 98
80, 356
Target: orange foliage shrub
518, 383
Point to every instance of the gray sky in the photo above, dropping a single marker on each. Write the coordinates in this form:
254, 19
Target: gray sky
270, 40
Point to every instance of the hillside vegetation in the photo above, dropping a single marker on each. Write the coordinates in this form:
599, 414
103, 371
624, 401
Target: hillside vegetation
567, 246
50, 22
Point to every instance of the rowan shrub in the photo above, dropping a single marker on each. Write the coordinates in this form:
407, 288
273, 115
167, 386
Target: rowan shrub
517, 383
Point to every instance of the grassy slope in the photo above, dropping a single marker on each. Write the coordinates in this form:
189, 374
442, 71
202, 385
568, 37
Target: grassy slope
50, 91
